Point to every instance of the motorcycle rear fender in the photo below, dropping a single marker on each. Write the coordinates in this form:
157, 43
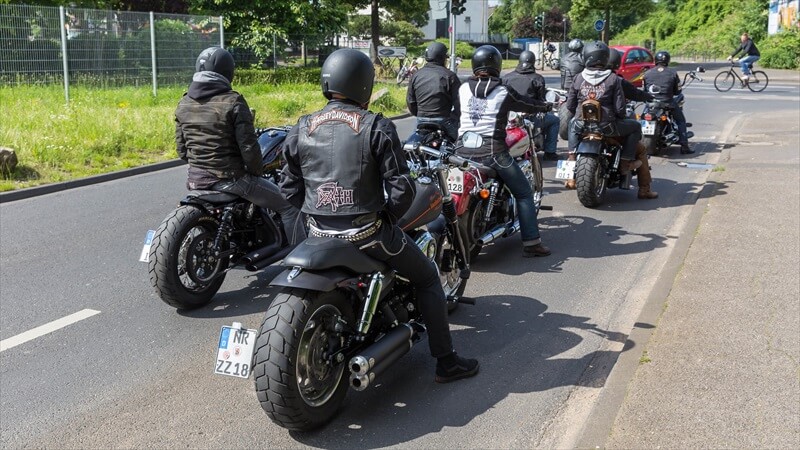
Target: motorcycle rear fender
324, 281
593, 147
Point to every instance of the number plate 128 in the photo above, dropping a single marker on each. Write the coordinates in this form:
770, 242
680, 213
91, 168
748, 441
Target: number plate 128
455, 181
235, 352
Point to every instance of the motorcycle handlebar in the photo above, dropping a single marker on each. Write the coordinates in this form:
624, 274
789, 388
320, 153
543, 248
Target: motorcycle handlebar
449, 158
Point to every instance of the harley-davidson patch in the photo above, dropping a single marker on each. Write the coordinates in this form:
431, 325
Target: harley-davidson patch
352, 119
332, 194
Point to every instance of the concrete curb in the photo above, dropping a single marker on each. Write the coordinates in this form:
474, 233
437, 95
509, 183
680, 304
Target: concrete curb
35, 191
608, 405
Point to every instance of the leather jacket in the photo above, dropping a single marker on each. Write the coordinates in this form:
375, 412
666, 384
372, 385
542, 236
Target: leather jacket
526, 82
433, 92
214, 131
607, 89
571, 66
666, 80
339, 161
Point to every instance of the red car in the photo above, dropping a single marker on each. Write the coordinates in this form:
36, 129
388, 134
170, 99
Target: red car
635, 62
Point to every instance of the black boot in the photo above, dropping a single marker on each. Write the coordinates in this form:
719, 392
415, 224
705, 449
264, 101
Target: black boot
453, 367
685, 150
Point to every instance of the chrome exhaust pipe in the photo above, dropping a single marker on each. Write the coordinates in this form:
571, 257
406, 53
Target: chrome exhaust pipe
492, 235
512, 229
379, 356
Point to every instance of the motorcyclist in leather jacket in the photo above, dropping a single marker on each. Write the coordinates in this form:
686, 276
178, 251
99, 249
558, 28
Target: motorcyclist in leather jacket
486, 103
433, 92
643, 177
606, 87
526, 81
571, 63
214, 133
339, 161
665, 84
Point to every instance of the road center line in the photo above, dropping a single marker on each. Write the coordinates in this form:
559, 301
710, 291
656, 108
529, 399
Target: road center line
40, 331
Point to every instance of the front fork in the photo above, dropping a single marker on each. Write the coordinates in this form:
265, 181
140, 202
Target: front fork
449, 212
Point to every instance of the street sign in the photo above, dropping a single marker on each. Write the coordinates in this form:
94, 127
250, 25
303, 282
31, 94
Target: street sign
392, 52
599, 25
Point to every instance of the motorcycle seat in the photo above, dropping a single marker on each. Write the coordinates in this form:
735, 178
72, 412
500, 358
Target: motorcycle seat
214, 197
430, 126
325, 253
487, 172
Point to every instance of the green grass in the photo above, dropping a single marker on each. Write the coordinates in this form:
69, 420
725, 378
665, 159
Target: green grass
645, 358
718, 169
105, 130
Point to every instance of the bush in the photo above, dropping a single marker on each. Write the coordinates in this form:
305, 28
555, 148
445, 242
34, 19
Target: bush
781, 51
463, 50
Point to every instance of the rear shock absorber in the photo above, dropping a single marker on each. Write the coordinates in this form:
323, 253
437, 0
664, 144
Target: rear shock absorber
225, 227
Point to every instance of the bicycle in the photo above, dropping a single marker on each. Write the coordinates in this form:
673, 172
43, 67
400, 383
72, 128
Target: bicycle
725, 80
549, 60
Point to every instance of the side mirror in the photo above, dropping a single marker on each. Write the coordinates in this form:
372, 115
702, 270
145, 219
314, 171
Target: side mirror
700, 69
552, 97
471, 139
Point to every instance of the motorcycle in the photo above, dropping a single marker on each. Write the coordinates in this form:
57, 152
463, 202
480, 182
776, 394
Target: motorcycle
659, 130
343, 318
486, 207
211, 232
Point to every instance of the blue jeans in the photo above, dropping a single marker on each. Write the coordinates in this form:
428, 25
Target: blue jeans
508, 170
746, 61
450, 125
266, 195
550, 131
680, 119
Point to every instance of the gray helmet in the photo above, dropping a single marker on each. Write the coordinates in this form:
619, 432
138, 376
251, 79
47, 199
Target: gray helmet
595, 55
216, 59
349, 73
436, 52
575, 45
487, 58
526, 60
662, 58
614, 59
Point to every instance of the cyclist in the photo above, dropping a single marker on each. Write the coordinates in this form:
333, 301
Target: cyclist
748, 48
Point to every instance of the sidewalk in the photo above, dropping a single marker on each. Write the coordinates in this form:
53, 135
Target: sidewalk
722, 368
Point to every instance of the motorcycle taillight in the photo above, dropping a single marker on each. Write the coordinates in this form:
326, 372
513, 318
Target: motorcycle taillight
648, 116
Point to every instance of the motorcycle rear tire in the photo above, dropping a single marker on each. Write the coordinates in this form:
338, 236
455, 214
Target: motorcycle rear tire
168, 258
590, 180
652, 142
563, 117
289, 342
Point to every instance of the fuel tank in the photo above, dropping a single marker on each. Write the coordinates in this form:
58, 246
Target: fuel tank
425, 208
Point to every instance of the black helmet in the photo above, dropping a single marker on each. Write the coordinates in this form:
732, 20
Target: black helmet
436, 52
349, 73
595, 55
215, 59
575, 45
614, 59
487, 58
526, 60
662, 58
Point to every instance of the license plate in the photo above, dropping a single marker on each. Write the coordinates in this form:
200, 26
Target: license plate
565, 170
455, 181
148, 241
648, 127
235, 352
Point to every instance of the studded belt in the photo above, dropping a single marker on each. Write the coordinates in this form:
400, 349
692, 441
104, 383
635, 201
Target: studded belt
361, 235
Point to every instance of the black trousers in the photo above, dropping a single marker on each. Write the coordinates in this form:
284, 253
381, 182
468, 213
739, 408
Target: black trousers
391, 245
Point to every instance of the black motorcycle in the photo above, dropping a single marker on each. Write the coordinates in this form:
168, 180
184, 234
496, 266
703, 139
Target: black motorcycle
659, 130
211, 232
342, 317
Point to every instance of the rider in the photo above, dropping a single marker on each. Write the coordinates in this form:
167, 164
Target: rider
433, 92
214, 132
643, 176
665, 84
747, 47
525, 80
571, 63
606, 87
354, 153
487, 102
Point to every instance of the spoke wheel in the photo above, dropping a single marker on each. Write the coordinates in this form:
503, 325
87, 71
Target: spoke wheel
758, 81
724, 81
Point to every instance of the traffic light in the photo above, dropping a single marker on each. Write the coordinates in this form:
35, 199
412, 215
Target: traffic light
538, 21
458, 7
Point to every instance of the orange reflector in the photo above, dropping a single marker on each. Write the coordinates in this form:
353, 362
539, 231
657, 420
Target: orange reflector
663, 118
484, 193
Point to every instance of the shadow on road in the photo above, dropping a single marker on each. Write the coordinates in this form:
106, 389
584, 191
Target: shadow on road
254, 298
522, 349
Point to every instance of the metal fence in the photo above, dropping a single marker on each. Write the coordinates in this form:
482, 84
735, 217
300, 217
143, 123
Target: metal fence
101, 47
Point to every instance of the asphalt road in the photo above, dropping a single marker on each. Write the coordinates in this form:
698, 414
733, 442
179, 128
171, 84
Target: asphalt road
133, 372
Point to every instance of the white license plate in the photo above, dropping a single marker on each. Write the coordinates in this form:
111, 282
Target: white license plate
235, 352
148, 241
648, 127
565, 170
455, 181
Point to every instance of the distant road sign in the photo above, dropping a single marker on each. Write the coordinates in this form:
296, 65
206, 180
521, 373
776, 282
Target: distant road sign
599, 25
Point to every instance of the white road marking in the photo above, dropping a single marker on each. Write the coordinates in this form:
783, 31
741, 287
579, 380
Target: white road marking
40, 331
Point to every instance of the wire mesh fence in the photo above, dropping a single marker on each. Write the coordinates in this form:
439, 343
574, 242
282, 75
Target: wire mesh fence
101, 47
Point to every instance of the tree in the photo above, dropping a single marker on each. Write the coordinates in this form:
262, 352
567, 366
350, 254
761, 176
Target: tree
582, 9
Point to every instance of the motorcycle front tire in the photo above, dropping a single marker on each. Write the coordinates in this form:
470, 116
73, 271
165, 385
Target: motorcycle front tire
187, 230
296, 387
590, 180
